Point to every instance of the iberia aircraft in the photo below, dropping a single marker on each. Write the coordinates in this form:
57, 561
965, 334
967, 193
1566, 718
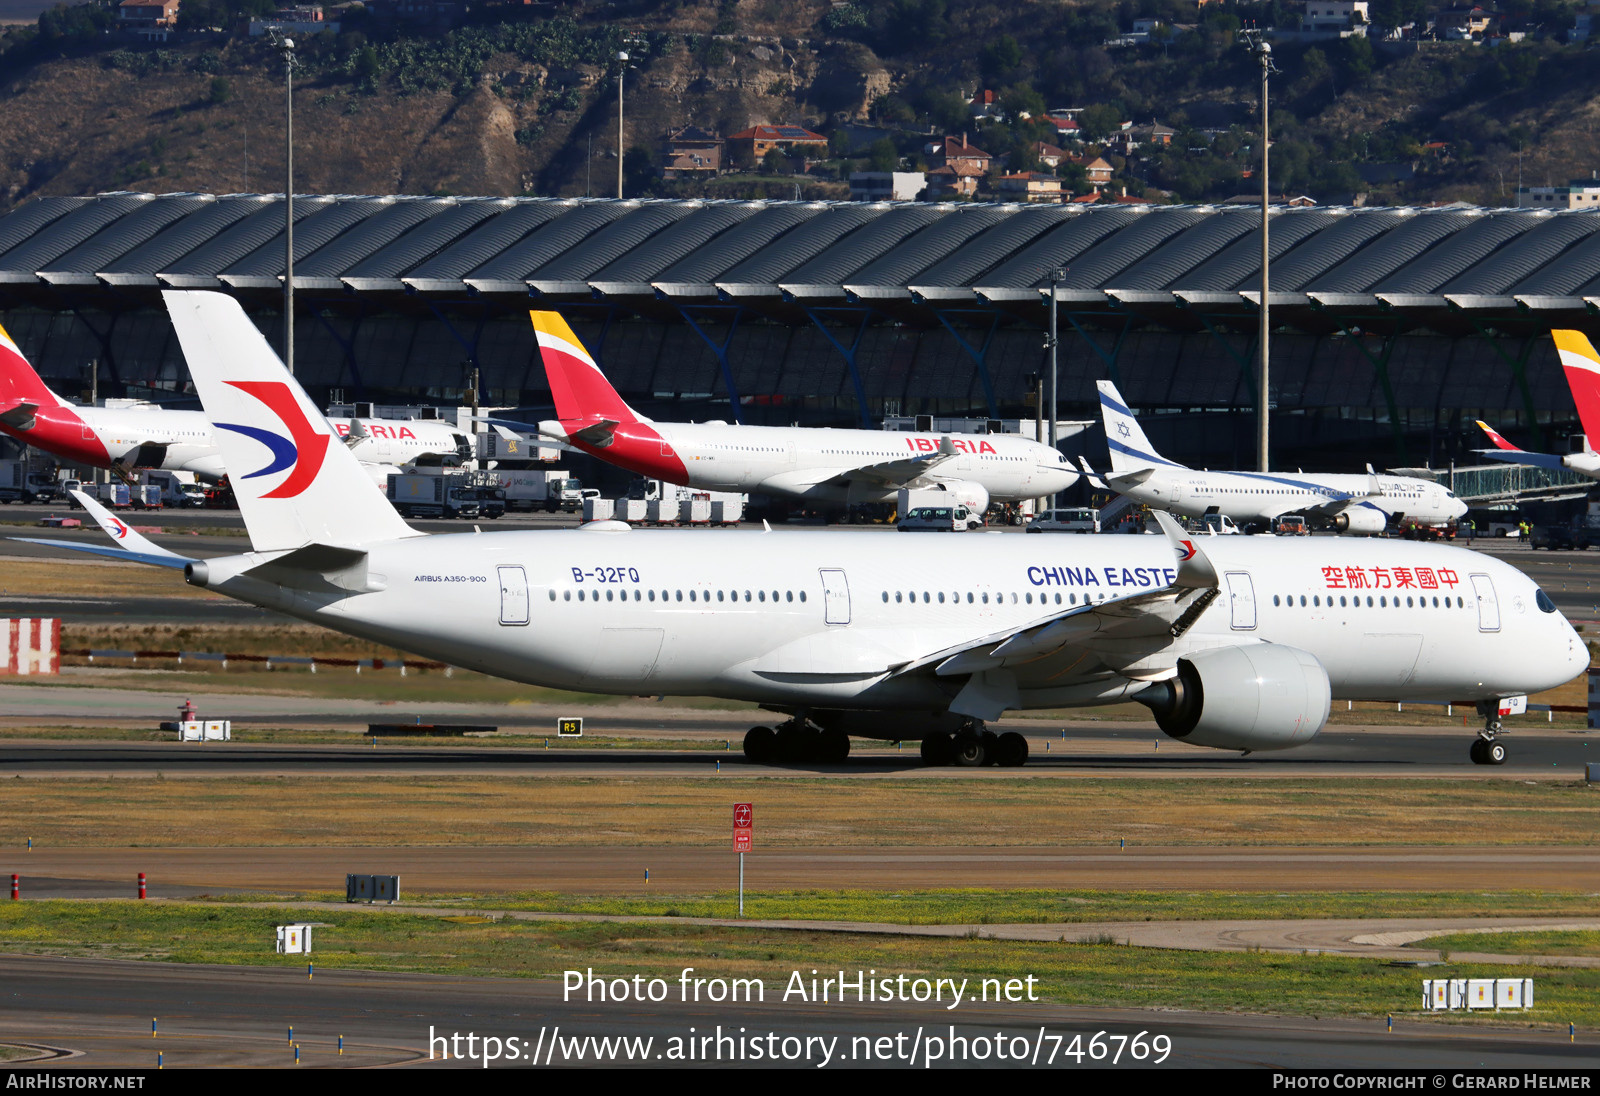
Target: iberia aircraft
830, 467
1582, 367
1238, 643
143, 435
1350, 503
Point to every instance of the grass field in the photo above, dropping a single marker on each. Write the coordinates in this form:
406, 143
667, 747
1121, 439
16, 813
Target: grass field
1518, 943
796, 811
983, 906
1101, 975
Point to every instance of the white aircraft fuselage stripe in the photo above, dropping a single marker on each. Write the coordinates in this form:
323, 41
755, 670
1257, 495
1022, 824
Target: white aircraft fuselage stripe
443, 598
547, 341
798, 460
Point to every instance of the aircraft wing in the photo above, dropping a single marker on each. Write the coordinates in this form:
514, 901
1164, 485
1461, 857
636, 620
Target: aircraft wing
1124, 631
1089, 476
21, 416
898, 473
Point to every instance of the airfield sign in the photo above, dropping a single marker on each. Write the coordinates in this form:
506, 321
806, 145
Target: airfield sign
743, 826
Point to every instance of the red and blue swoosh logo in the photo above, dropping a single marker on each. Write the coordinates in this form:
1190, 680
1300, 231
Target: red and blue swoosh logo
304, 448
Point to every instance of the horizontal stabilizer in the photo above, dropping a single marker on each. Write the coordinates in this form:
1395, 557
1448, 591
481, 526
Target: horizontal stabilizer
162, 559
1551, 461
317, 566
124, 534
21, 417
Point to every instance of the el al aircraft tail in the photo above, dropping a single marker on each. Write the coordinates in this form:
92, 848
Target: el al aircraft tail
295, 483
1582, 366
1130, 449
581, 392
18, 382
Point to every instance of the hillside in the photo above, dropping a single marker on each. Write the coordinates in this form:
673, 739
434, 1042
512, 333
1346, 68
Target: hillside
529, 106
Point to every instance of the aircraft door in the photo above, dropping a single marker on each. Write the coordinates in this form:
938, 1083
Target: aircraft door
1488, 604
835, 596
513, 595
1241, 600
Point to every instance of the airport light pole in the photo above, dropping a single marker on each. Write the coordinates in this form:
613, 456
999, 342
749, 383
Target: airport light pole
622, 72
1263, 52
287, 46
1057, 276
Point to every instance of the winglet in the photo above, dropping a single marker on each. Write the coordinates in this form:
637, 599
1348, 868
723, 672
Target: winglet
120, 531
1088, 474
1194, 569
947, 448
1499, 442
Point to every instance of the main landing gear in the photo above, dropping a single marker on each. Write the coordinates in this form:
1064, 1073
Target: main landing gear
796, 742
973, 746
1487, 749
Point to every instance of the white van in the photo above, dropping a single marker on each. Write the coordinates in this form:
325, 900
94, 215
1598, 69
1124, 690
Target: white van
1076, 520
939, 519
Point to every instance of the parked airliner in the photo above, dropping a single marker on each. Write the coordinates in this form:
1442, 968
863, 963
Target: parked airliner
131, 435
1350, 503
1238, 643
1582, 367
829, 467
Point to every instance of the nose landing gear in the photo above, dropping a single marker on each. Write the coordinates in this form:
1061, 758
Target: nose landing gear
1487, 749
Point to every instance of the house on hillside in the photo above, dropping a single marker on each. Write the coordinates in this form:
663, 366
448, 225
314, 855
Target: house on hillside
757, 141
986, 104
953, 182
1337, 16
154, 20
691, 153
954, 152
1029, 186
1155, 134
1049, 155
1097, 172
294, 21
1463, 24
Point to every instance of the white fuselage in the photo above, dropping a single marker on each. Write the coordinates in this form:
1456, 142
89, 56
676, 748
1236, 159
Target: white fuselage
818, 463
1256, 496
826, 620
190, 445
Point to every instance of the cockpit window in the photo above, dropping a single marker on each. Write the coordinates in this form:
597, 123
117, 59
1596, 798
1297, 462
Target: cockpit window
1542, 600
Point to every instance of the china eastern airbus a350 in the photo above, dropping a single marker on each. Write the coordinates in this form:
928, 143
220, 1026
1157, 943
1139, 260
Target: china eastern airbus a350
131, 434
830, 467
1350, 503
1238, 643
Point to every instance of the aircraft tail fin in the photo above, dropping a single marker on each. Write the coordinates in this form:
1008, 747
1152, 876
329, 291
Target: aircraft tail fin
1582, 366
1130, 449
295, 483
19, 383
581, 392
1499, 442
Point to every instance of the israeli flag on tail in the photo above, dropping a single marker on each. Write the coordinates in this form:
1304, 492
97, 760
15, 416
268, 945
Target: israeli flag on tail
295, 483
1130, 450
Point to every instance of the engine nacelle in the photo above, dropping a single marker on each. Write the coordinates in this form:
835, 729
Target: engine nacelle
1361, 519
974, 496
1262, 696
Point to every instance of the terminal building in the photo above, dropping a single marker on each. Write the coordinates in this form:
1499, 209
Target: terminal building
1393, 328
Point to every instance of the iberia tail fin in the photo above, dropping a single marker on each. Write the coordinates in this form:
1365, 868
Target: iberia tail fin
1582, 366
581, 392
1499, 442
295, 483
19, 383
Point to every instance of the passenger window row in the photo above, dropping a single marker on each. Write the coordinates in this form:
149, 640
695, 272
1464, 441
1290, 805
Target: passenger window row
973, 598
698, 596
1382, 601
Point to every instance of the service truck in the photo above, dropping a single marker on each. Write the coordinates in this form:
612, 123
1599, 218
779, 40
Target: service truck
548, 489
433, 495
23, 481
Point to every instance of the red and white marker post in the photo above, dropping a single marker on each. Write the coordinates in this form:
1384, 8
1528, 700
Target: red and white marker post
744, 827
